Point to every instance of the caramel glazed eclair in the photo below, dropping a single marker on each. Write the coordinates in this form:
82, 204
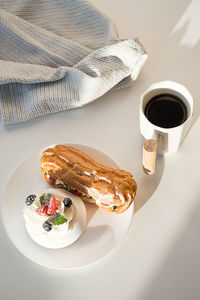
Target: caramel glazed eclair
67, 167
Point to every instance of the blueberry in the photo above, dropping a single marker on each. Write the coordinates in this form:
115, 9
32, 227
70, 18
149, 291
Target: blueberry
47, 226
30, 199
67, 202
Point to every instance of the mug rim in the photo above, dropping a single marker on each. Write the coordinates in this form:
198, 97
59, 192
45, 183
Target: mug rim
166, 85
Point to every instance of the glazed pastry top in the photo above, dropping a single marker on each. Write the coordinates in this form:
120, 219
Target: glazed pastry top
79, 171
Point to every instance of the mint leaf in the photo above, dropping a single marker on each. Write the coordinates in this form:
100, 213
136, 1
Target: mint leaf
67, 187
45, 173
57, 219
45, 199
114, 207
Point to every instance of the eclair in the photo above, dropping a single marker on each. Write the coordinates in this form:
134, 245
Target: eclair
69, 168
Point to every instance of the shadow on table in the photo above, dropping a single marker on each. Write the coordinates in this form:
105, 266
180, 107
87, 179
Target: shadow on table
178, 53
188, 56
177, 277
147, 184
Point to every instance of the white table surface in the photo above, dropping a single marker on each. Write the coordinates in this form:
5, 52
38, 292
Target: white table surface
159, 257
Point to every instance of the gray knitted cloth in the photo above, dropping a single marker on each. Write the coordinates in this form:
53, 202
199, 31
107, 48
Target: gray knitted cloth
57, 55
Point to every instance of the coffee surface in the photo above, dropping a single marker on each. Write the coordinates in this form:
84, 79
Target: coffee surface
166, 110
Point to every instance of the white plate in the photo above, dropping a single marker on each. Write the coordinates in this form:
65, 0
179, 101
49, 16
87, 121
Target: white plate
102, 234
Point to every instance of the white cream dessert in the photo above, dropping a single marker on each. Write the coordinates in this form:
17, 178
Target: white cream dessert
53, 218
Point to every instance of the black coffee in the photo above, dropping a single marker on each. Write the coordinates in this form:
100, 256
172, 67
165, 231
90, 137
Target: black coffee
166, 111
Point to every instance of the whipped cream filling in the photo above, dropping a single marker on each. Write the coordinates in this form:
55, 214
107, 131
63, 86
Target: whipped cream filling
58, 236
65, 159
121, 197
101, 200
64, 185
90, 173
106, 200
50, 164
59, 182
56, 181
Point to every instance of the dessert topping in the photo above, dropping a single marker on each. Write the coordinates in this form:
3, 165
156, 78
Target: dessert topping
47, 226
57, 219
30, 199
45, 199
50, 206
53, 206
42, 210
67, 202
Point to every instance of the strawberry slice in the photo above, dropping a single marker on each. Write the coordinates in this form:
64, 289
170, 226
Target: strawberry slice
104, 204
42, 211
53, 206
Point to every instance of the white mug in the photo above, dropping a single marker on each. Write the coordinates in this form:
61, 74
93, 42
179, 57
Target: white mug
164, 140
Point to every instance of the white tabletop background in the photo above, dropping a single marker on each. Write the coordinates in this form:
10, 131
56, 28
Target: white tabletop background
159, 257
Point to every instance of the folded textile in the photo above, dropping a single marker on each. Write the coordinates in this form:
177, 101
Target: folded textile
59, 54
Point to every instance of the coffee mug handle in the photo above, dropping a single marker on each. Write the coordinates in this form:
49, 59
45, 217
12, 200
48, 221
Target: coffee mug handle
149, 156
